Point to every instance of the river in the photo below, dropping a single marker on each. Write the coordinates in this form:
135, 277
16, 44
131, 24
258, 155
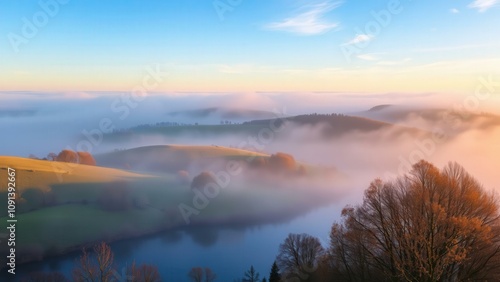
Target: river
228, 251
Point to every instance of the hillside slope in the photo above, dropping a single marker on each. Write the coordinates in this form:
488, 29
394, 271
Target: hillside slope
171, 157
41, 174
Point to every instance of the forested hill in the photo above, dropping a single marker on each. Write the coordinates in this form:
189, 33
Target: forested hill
334, 124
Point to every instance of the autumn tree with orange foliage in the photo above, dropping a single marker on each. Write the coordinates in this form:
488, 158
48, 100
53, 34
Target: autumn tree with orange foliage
69, 156
279, 162
429, 225
86, 158
283, 162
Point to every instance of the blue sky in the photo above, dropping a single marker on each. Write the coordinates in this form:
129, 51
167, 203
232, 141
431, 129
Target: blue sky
246, 45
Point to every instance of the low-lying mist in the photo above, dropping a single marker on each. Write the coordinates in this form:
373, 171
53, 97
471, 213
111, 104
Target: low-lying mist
39, 123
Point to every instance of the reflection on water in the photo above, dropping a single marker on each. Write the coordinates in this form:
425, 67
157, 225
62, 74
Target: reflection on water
228, 250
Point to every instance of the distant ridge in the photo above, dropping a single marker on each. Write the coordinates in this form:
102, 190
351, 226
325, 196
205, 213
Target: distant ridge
331, 125
379, 107
404, 114
338, 124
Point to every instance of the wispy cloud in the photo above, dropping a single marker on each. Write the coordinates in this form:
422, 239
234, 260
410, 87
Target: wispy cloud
378, 59
394, 63
359, 38
308, 22
454, 11
483, 5
368, 57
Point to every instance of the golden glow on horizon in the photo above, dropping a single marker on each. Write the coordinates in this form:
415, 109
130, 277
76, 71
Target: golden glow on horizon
360, 83
456, 77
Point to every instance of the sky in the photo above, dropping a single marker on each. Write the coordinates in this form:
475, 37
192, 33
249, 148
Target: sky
378, 46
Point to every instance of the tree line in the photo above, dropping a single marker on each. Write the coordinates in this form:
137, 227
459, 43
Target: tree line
68, 156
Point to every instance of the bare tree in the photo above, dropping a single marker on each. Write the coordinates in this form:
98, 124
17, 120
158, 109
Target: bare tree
95, 268
251, 275
429, 225
51, 156
196, 274
143, 273
210, 276
299, 255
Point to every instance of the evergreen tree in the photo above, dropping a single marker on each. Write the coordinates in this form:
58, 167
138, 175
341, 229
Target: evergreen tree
275, 273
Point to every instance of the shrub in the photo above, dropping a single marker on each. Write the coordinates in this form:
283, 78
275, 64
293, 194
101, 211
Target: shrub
282, 162
67, 156
201, 180
86, 158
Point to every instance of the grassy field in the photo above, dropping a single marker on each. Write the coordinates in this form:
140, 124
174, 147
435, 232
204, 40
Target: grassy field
61, 207
75, 215
42, 174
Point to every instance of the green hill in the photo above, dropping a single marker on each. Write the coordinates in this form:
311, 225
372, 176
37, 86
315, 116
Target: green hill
171, 158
